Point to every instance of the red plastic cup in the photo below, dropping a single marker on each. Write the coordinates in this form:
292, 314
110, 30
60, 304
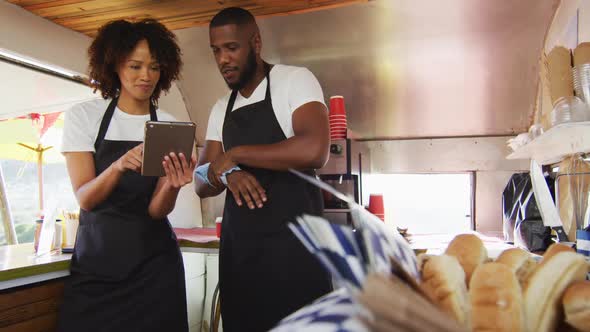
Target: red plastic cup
376, 205
337, 106
338, 132
218, 226
338, 126
338, 123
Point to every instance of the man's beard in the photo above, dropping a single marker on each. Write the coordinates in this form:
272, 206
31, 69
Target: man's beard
248, 73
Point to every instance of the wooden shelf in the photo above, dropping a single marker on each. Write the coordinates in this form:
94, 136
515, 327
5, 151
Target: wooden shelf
556, 143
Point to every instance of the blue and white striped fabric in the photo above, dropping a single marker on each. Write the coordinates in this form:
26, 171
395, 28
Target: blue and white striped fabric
583, 242
349, 255
336, 248
335, 312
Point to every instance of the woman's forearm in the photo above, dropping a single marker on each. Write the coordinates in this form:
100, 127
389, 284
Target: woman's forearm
95, 191
163, 201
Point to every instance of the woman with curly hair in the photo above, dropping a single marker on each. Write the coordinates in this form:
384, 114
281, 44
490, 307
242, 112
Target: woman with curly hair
127, 272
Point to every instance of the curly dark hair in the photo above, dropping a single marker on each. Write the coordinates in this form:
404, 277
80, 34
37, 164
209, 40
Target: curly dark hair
117, 39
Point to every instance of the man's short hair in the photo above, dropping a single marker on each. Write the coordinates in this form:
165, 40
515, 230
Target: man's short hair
232, 15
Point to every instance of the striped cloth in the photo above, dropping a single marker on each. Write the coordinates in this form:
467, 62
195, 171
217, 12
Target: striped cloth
349, 254
583, 242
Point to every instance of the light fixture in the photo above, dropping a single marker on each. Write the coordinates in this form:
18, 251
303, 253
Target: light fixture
34, 64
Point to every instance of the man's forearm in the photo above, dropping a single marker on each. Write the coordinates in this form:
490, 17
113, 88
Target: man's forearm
204, 190
295, 152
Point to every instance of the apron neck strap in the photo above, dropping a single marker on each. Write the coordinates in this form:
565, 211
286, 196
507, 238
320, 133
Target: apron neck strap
153, 114
234, 93
108, 115
104, 124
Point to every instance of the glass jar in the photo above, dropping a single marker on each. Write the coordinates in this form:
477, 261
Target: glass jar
57, 235
38, 226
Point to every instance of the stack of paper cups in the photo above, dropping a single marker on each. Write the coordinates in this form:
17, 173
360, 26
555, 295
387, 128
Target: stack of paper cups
338, 124
582, 54
561, 81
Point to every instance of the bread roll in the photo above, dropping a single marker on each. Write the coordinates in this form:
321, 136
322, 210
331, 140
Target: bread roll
576, 303
554, 249
520, 262
421, 260
443, 281
496, 299
547, 285
470, 252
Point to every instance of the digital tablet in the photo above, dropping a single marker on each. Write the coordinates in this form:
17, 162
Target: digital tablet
160, 139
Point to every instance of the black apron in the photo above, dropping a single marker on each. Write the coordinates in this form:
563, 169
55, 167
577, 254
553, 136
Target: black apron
127, 272
265, 272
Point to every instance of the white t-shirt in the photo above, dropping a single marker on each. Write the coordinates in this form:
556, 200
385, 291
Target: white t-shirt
82, 122
290, 88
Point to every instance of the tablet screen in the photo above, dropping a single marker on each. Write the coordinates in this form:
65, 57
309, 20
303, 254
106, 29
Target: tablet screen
163, 137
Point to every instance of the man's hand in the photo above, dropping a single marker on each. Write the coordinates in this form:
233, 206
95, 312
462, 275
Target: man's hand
243, 184
214, 180
222, 164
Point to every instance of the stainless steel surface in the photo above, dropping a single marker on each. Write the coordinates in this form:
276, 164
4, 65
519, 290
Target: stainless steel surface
420, 68
343, 183
338, 160
443, 155
347, 157
349, 161
406, 68
340, 218
487, 200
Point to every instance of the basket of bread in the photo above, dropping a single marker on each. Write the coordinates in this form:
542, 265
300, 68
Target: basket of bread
514, 292
381, 285
460, 290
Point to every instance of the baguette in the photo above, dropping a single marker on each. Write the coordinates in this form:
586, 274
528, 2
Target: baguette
547, 286
496, 299
554, 249
520, 262
443, 281
576, 304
